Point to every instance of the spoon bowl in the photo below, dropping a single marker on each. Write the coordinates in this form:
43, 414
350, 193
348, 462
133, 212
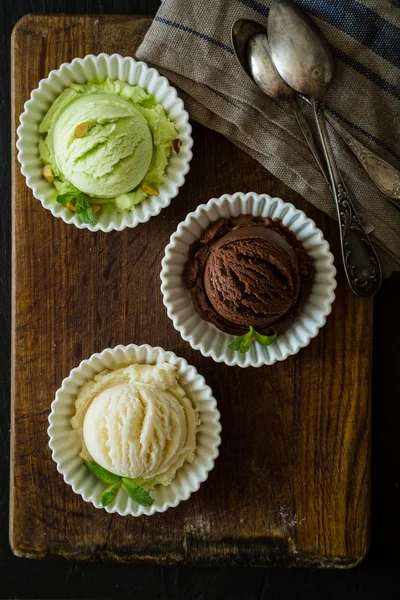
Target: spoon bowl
263, 70
242, 31
299, 50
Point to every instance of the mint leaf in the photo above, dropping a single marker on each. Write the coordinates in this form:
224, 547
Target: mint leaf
103, 474
84, 209
264, 340
235, 345
109, 494
247, 341
65, 198
137, 493
134, 491
242, 344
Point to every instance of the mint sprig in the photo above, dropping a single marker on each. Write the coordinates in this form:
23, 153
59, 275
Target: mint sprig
137, 493
82, 205
84, 209
134, 491
65, 198
109, 494
103, 474
264, 340
243, 343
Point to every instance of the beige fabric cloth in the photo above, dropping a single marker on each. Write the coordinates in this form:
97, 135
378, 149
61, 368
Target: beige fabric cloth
189, 42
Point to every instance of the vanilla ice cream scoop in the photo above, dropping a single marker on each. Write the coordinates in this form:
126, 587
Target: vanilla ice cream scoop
137, 422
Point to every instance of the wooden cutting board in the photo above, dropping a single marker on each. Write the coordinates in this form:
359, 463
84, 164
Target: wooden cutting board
291, 485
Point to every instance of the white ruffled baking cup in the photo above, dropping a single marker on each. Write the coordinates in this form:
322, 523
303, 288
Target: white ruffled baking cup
65, 444
206, 337
98, 68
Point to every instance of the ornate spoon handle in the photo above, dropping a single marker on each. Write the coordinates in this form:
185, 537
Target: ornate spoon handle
360, 261
385, 177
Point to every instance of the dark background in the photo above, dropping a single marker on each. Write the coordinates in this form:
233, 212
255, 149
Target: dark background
378, 577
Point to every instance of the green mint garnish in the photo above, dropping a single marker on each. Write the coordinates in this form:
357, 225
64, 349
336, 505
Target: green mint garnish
109, 494
242, 344
103, 474
264, 340
65, 198
84, 209
82, 205
134, 491
137, 493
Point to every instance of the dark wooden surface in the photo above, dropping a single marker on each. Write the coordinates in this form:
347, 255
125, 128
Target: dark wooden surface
377, 577
291, 485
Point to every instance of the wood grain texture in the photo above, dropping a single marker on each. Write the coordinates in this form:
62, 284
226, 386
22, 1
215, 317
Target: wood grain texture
291, 485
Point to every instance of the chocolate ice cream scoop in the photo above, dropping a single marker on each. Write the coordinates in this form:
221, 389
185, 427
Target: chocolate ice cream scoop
248, 271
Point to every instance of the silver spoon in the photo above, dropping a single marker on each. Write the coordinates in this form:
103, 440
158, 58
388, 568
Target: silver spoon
304, 60
383, 175
250, 42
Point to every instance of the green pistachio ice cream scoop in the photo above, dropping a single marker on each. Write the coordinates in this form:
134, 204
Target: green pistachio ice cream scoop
114, 155
110, 141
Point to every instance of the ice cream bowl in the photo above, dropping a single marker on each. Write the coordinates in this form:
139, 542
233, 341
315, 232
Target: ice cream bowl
66, 445
207, 338
98, 69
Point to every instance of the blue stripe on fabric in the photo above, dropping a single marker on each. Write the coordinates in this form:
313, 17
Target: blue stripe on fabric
368, 73
198, 34
357, 20
207, 38
371, 75
361, 23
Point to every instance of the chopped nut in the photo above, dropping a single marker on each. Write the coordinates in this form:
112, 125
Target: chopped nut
96, 208
177, 144
81, 129
148, 189
47, 173
71, 206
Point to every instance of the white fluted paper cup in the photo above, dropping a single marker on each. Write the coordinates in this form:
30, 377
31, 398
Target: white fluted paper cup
207, 338
99, 68
66, 446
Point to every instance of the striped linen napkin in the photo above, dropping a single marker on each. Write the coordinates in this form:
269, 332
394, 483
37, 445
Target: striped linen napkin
189, 42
